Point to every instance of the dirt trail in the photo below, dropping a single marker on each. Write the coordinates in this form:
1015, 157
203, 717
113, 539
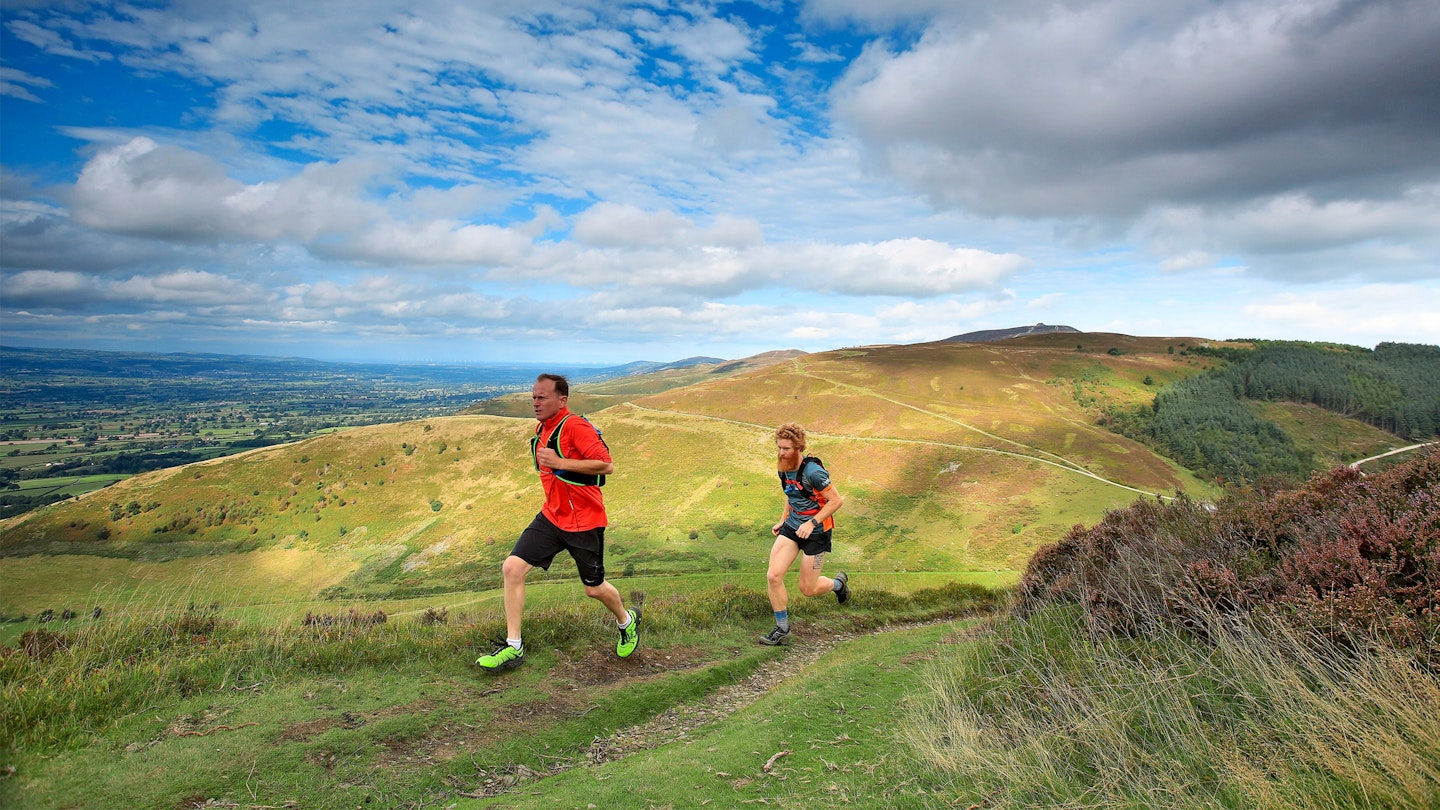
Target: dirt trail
679, 722
1355, 465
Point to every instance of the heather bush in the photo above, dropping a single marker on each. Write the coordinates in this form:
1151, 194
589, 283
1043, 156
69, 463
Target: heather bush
1354, 557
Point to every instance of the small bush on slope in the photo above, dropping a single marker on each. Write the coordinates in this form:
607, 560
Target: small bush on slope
1352, 557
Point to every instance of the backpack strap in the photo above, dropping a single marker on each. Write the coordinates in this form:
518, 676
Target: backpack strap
805, 487
568, 476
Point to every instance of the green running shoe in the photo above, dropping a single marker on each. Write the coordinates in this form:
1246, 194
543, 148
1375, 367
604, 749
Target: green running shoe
630, 635
506, 657
775, 637
843, 595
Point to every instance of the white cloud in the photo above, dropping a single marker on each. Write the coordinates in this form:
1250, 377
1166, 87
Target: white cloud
195, 288
1404, 312
422, 170
12, 79
1111, 108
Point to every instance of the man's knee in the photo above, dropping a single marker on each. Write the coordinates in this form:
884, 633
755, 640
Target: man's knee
773, 577
812, 589
514, 569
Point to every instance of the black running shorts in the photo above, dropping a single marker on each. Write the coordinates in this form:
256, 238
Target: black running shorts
816, 544
542, 540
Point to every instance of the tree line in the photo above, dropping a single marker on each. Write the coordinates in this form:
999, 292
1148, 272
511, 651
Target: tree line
1203, 422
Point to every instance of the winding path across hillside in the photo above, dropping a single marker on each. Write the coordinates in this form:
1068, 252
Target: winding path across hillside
1067, 465
1355, 465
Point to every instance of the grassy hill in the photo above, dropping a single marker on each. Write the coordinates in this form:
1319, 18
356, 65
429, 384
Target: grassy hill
588, 397
952, 457
957, 461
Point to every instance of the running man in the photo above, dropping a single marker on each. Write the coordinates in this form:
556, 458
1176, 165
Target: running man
810, 501
573, 462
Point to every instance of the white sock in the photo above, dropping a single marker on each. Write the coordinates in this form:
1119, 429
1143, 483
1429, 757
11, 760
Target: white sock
626, 624
515, 642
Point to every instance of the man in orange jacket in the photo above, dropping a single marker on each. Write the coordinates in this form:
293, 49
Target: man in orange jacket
573, 461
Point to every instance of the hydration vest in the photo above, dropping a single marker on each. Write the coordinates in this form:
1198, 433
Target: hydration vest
805, 488
569, 477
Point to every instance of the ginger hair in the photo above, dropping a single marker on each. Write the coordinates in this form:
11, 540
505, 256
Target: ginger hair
794, 433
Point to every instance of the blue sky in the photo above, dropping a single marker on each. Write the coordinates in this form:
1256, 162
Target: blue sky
609, 181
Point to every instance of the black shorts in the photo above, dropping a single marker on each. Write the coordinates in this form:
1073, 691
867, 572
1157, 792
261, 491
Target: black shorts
542, 540
816, 544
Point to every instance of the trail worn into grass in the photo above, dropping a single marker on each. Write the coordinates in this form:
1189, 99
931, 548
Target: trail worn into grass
679, 722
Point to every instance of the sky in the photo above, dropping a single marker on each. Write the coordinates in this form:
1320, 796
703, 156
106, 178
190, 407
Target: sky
568, 181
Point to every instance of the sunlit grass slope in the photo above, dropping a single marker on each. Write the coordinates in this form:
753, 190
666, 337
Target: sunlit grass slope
951, 456
591, 397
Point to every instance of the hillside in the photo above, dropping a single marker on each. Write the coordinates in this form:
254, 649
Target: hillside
591, 393
990, 335
200, 685
952, 457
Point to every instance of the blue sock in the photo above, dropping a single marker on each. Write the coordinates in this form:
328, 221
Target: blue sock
782, 620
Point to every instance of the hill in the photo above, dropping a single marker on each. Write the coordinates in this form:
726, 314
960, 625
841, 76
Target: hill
593, 391
648, 367
952, 457
201, 683
893, 700
991, 335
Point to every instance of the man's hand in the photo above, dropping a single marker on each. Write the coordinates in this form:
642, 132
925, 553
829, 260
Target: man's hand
775, 530
805, 529
547, 457
552, 461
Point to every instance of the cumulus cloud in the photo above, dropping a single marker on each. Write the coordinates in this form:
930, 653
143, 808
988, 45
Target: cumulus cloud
52, 290
841, 171
1406, 312
1298, 236
1112, 105
143, 188
1296, 127
907, 267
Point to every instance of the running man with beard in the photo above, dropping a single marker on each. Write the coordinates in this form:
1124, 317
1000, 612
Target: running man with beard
804, 530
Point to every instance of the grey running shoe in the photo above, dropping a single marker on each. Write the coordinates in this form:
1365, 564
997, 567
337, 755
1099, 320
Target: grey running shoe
506, 657
843, 595
775, 637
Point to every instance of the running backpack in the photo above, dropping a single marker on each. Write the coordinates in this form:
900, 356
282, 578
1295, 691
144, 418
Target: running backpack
805, 488
578, 479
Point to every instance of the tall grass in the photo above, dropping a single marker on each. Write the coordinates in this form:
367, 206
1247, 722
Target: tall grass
59, 689
1037, 715
1276, 650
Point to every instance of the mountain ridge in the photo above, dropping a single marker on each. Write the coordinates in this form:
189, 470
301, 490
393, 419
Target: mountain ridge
992, 335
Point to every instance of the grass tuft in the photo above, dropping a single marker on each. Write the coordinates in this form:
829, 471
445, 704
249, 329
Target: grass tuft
1038, 715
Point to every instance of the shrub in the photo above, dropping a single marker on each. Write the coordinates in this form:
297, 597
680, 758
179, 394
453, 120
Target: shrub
1355, 558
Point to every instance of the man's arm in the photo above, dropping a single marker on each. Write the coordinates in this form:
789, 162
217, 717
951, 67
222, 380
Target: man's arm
833, 502
775, 530
588, 454
589, 466
832, 505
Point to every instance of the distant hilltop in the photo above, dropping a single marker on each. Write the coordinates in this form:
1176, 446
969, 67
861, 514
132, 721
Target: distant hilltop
720, 366
991, 335
647, 367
